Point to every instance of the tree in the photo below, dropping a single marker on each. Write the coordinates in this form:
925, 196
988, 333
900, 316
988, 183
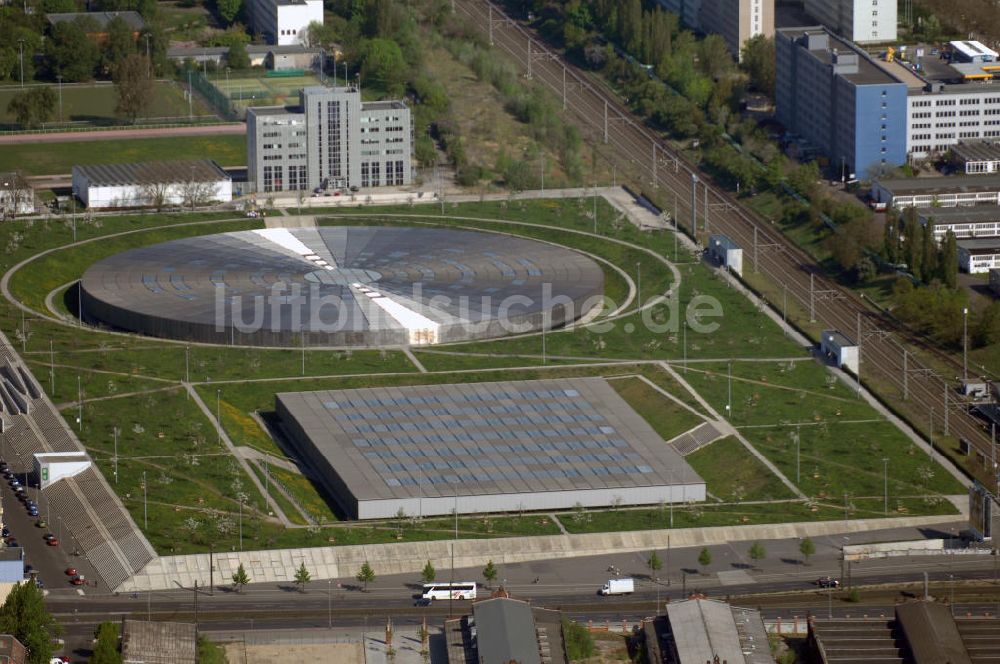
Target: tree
807, 548
33, 108
240, 578
383, 63
705, 557
365, 575
133, 86
119, 44
949, 261
428, 574
302, 577
229, 9
71, 53
579, 640
106, 644
237, 57
23, 615
759, 63
756, 552
490, 573
209, 652
654, 564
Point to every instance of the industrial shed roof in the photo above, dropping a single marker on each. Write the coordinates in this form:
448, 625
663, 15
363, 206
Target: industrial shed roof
149, 172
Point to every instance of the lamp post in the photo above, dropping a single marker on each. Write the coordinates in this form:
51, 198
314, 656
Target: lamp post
218, 418
60, 97
149, 69
329, 603
145, 511
965, 343
638, 285
885, 482
20, 54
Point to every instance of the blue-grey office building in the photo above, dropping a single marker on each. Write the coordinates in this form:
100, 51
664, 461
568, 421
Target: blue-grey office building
833, 97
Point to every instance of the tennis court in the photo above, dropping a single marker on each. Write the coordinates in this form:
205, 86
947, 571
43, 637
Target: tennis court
264, 90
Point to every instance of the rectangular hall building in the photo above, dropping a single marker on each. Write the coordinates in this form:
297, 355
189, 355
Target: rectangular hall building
830, 94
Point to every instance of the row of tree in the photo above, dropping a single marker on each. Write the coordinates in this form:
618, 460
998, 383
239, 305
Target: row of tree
914, 245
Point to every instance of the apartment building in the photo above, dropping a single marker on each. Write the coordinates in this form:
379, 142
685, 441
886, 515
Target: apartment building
332, 140
862, 21
284, 22
735, 20
833, 97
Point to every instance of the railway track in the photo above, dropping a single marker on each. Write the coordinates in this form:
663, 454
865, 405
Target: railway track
930, 398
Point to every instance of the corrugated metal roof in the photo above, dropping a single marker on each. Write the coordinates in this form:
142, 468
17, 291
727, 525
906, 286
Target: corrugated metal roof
186, 170
704, 629
158, 642
103, 18
505, 632
931, 633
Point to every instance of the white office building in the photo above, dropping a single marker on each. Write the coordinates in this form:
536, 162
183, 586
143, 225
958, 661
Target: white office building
284, 22
333, 140
862, 21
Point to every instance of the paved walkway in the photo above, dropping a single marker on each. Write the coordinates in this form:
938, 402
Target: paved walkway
244, 464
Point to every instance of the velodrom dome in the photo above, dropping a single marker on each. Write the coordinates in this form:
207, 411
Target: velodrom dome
341, 286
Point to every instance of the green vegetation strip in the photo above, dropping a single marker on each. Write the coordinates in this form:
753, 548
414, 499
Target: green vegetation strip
286, 506
59, 158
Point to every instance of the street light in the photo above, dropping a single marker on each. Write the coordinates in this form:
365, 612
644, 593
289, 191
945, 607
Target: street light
965, 343
329, 603
885, 482
60, 97
218, 418
20, 53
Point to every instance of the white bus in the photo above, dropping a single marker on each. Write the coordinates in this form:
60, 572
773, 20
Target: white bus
457, 590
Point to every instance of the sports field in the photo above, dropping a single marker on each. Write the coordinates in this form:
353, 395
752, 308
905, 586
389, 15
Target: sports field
95, 104
263, 91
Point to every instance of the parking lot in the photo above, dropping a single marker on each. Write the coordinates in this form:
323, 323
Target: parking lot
48, 563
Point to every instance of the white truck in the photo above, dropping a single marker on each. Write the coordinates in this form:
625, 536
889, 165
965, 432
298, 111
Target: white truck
618, 587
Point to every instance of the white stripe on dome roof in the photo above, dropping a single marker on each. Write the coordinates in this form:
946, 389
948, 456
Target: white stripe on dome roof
284, 238
422, 330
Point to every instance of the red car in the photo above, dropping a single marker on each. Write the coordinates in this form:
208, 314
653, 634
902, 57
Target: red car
78, 580
70, 571
53, 542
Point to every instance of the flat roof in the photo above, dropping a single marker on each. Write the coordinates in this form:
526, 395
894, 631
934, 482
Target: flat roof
977, 150
941, 185
723, 241
484, 438
275, 110
506, 632
132, 18
159, 642
961, 214
973, 49
834, 336
985, 244
868, 72
382, 105
180, 170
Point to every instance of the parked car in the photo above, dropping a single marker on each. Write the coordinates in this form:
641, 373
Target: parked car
70, 571
48, 536
11, 541
827, 582
78, 580
52, 542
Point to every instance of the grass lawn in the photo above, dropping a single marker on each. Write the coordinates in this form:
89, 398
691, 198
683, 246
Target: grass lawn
842, 439
195, 488
666, 417
733, 474
303, 491
94, 103
59, 158
706, 516
286, 506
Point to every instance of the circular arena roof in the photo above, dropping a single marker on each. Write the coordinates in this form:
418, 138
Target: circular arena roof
341, 286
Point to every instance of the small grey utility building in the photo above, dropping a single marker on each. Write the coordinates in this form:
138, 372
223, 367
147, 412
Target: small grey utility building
841, 350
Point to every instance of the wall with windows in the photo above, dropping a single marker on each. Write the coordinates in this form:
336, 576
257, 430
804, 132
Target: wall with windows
864, 21
938, 120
